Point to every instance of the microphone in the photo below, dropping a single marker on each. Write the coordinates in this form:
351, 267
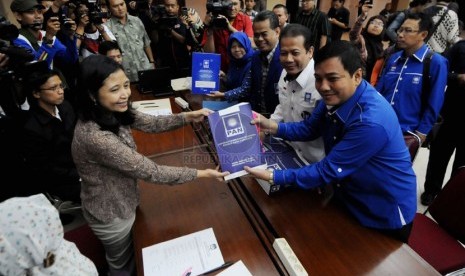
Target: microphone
35, 25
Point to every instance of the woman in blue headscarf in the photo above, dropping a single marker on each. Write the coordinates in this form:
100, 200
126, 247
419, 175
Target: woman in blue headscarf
238, 78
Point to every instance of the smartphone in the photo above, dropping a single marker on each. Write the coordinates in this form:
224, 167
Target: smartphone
184, 11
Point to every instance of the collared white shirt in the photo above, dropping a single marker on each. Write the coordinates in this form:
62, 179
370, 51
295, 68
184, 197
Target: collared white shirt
297, 100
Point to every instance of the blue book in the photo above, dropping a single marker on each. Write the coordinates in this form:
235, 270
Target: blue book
237, 141
205, 72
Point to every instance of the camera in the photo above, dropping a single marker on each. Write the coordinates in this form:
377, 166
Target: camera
8, 31
20, 61
159, 10
162, 18
97, 17
217, 7
184, 11
65, 22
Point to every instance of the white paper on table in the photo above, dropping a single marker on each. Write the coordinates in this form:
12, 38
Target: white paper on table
191, 254
154, 107
181, 84
236, 269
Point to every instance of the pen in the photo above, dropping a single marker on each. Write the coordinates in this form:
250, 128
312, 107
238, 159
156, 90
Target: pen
146, 103
226, 264
149, 106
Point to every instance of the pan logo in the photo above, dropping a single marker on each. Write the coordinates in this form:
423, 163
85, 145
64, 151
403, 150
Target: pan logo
206, 64
233, 125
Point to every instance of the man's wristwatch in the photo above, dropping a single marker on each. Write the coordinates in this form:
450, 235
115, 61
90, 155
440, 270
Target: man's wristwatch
271, 178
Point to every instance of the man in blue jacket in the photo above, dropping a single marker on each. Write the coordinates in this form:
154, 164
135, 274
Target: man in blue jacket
366, 158
266, 68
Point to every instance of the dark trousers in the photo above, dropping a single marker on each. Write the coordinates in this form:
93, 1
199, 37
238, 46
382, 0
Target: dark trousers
442, 147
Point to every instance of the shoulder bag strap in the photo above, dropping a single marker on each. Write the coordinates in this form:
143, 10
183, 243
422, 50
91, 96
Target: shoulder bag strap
430, 34
426, 82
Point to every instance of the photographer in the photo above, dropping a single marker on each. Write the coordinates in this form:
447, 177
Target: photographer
171, 48
223, 18
43, 44
91, 31
61, 10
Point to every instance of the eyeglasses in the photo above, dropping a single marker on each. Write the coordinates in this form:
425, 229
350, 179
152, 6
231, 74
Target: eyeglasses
406, 30
379, 24
263, 35
55, 88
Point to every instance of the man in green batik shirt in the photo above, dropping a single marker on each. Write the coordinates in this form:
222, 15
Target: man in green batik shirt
132, 39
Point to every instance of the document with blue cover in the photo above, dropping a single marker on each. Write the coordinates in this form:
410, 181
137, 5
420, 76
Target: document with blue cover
237, 141
205, 72
280, 155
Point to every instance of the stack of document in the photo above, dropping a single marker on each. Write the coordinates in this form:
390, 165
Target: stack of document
154, 107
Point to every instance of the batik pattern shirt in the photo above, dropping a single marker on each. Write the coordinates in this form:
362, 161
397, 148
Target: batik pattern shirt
132, 39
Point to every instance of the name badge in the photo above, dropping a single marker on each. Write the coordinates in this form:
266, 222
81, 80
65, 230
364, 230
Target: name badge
415, 80
308, 98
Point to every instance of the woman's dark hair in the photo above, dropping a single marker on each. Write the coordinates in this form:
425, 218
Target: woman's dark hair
295, 30
94, 70
34, 81
347, 53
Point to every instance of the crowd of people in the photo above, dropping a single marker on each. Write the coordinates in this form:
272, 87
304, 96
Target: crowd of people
347, 106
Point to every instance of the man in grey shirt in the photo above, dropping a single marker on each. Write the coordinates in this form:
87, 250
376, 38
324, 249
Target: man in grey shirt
132, 39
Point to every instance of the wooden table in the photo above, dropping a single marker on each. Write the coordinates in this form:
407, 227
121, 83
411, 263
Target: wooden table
326, 239
167, 212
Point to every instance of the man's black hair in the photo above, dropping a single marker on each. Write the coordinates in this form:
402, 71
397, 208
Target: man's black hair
425, 22
295, 30
267, 15
347, 53
278, 6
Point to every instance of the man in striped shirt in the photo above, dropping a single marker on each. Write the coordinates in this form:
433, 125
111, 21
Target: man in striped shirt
316, 21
